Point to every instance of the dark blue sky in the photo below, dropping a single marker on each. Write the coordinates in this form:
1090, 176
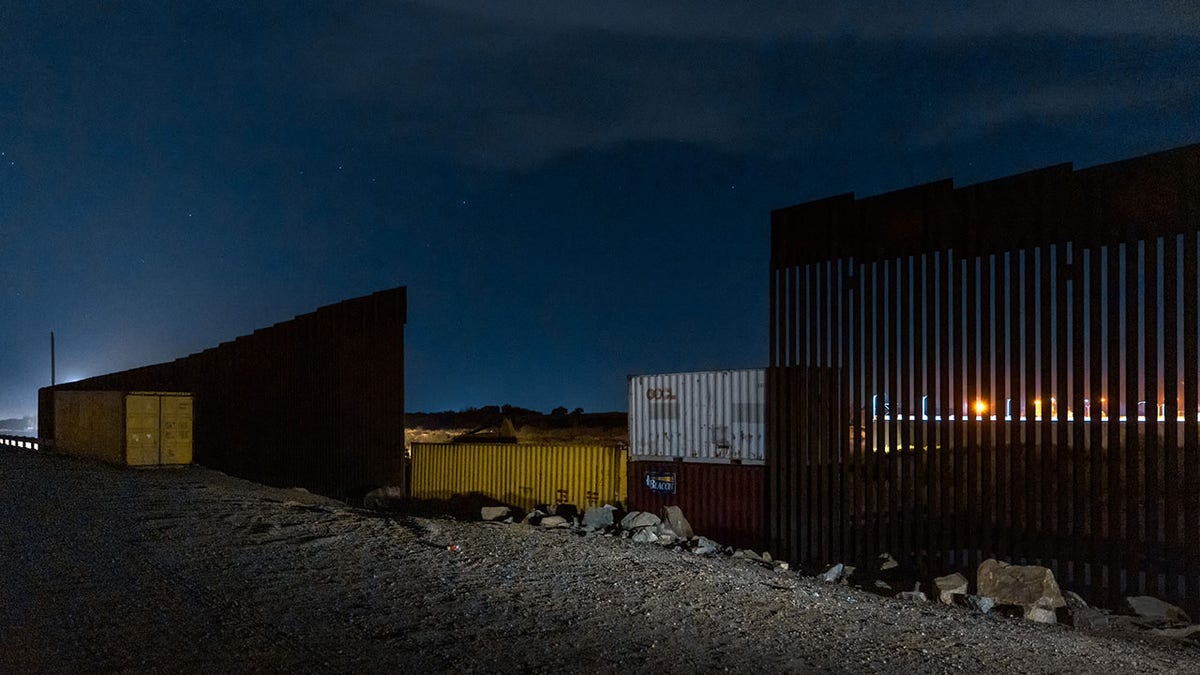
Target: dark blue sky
572, 191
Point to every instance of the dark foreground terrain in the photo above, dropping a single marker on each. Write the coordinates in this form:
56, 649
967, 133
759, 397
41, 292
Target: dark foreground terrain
191, 570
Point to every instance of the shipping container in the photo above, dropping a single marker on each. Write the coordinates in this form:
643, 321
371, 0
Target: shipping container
125, 428
713, 416
724, 502
520, 475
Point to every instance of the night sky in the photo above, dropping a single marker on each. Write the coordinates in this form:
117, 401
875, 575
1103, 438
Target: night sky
572, 191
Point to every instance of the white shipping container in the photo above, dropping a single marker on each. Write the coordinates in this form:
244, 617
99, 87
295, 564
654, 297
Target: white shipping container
713, 416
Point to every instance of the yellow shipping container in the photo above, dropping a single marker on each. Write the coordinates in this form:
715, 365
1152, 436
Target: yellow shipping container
130, 429
520, 475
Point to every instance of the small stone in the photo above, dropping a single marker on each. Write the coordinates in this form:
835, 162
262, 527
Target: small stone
883, 585
766, 556
948, 586
978, 603
887, 562
494, 512
644, 535
781, 566
554, 521
673, 516
533, 517
832, 574
665, 539
639, 519
912, 596
1040, 614
1087, 618
1177, 633
1148, 607
705, 546
1074, 600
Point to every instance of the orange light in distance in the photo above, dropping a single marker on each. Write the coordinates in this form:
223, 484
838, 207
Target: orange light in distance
980, 407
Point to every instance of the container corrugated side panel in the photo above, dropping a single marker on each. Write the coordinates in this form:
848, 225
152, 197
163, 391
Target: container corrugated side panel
520, 475
724, 502
711, 416
90, 424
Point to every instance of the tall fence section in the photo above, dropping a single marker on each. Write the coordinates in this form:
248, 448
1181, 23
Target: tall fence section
316, 401
1005, 370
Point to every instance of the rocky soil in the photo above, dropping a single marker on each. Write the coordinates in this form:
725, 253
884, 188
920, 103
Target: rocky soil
191, 570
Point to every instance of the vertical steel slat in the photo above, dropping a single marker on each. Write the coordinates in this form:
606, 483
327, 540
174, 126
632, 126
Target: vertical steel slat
1191, 404
1133, 443
932, 450
946, 395
861, 403
1079, 462
845, 416
1113, 459
1150, 366
1046, 430
824, 456
1010, 541
891, 432
987, 480
920, 512
973, 444
1173, 553
875, 402
1062, 451
1095, 393
902, 506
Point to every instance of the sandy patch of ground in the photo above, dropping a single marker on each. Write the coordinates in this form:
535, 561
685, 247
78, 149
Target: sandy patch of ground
191, 570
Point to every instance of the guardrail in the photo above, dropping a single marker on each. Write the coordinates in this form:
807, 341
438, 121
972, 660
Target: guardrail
26, 442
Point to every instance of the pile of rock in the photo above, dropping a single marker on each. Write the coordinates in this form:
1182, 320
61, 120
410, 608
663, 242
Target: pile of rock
670, 529
1027, 591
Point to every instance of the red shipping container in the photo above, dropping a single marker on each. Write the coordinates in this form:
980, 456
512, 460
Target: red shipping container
724, 502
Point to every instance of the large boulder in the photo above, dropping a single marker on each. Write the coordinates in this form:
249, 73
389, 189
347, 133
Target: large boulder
494, 512
384, 498
554, 521
948, 586
673, 516
635, 520
1154, 610
1020, 585
598, 517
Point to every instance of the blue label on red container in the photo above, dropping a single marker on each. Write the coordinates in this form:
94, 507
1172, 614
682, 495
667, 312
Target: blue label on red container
660, 482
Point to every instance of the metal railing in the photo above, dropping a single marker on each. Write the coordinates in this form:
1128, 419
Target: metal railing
25, 442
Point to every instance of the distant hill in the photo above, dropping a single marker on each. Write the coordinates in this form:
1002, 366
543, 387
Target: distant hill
17, 424
533, 426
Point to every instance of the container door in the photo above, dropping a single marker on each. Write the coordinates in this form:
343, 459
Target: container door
176, 430
141, 430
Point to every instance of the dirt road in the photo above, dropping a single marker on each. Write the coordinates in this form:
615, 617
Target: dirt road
190, 570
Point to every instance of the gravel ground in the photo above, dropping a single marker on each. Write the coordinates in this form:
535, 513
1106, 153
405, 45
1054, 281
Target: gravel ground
191, 570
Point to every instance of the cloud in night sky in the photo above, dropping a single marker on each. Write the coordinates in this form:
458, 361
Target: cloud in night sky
519, 84
573, 191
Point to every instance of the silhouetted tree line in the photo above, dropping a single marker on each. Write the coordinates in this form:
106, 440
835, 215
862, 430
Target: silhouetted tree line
470, 418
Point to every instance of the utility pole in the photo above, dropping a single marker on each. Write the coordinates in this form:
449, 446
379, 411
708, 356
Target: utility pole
51, 358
